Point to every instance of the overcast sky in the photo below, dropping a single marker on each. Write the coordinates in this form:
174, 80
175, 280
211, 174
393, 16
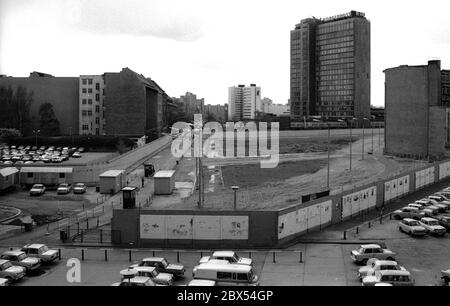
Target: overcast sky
204, 46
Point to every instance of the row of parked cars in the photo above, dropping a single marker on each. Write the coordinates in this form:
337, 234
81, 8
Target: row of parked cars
27, 155
64, 188
379, 267
15, 264
225, 267
426, 216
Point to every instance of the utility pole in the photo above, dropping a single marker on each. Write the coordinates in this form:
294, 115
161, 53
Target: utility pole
351, 140
328, 163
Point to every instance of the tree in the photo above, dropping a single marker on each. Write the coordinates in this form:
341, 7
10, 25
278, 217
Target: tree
48, 123
210, 117
15, 108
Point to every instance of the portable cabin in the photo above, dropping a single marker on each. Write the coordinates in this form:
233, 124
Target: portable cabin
8, 177
49, 176
164, 182
112, 181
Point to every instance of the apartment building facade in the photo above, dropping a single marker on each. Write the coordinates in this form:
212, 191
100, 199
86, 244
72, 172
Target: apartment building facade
244, 102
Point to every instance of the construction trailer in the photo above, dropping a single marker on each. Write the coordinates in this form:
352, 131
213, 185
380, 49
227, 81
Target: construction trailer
112, 181
164, 182
49, 176
8, 177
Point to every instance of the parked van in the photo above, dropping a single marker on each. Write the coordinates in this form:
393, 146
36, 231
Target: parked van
226, 274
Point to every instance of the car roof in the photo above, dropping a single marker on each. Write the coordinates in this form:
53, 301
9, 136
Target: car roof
139, 279
227, 267
386, 262
428, 219
153, 259
370, 246
2, 261
34, 246
223, 253
144, 269
14, 253
202, 282
409, 219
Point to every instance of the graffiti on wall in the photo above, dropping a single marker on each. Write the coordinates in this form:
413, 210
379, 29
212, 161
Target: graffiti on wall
396, 188
303, 219
424, 177
194, 227
359, 201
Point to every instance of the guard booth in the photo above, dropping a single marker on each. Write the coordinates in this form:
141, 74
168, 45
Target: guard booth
129, 197
149, 169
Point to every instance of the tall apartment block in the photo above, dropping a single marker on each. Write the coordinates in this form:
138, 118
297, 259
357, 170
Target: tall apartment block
330, 67
417, 110
244, 102
91, 107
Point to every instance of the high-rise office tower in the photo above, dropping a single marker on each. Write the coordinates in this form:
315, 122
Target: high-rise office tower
330, 67
244, 102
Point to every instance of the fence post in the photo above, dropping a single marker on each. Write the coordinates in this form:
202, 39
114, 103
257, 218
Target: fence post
273, 257
345, 235
98, 221
106, 255
357, 230
101, 236
301, 257
129, 255
178, 256
59, 254
250, 254
81, 236
153, 253
87, 224
201, 254
78, 228
82, 254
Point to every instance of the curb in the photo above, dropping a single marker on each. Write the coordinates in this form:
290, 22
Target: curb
12, 217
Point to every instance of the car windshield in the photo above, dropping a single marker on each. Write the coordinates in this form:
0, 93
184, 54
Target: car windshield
433, 223
236, 257
38, 186
79, 185
360, 250
414, 223
22, 256
389, 267
63, 185
6, 265
43, 249
164, 263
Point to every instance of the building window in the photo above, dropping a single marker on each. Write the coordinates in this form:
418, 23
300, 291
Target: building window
97, 120
62, 175
90, 101
85, 127
89, 113
84, 113
84, 101
84, 90
90, 90
97, 86
97, 131
90, 81
84, 81
97, 108
97, 97
30, 174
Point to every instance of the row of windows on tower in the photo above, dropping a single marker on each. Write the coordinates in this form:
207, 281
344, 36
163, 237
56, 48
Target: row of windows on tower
89, 101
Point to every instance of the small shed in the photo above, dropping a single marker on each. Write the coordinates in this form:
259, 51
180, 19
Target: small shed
164, 182
112, 181
49, 176
8, 177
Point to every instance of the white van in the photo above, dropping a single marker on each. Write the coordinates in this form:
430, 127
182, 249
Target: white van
225, 273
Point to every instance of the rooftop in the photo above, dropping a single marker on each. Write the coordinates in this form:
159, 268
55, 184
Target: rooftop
46, 169
164, 174
112, 173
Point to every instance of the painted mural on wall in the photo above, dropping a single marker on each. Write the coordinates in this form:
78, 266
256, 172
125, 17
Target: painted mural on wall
444, 170
424, 177
303, 219
396, 188
359, 201
194, 227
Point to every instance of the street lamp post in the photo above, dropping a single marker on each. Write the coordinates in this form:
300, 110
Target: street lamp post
35, 134
371, 127
235, 189
363, 122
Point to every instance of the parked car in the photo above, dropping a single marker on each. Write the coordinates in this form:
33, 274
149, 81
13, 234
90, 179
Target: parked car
11, 272
408, 212
63, 188
4, 282
378, 265
162, 265
393, 277
160, 278
412, 227
430, 202
19, 258
79, 188
76, 155
433, 226
445, 275
367, 251
229, 256
138, 281
444, 220
41, 251
431, 211
37, 189
440, 200
201, 283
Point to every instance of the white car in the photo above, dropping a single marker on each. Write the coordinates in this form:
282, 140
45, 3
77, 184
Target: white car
79, 188
40, 251
409, 211
393, 277
440, 200
430, 202
229, 256
63, 189
202, 283
378, 265
4, 282
160, 278
412, 227
433, 226
37, 189
11, 272
367, 251
138, 281
19, 258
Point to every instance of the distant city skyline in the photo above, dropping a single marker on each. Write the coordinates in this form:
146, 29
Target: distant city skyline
190, 45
